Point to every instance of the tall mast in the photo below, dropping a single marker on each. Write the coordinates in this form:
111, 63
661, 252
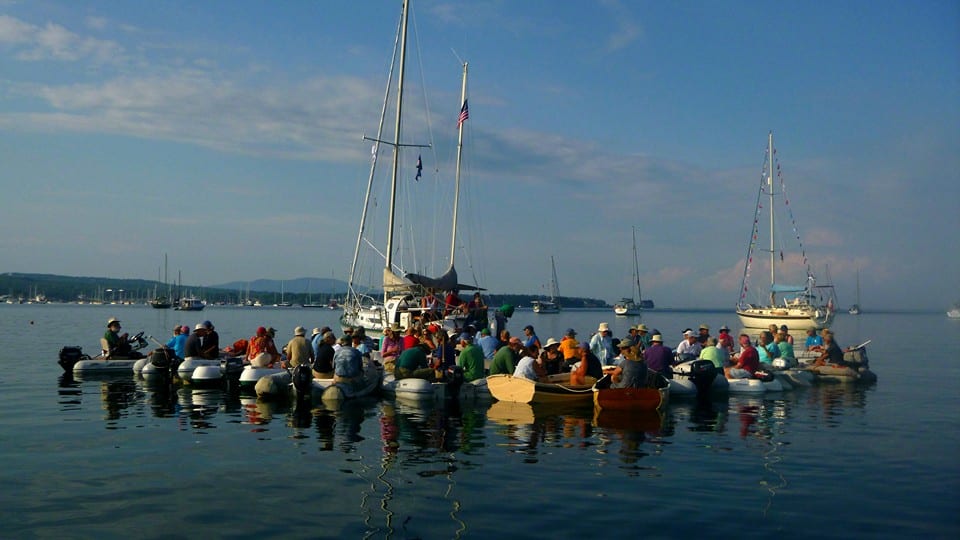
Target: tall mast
456, 189
636, 265
396, 140
166, 281
554, 287
773, 258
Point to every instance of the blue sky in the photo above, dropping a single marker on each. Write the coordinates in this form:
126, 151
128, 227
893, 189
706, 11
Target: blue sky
228, 135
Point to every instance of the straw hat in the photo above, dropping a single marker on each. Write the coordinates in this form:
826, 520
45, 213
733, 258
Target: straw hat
604, 327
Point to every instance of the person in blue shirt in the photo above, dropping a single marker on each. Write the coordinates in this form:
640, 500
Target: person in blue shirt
488, 344
530, 338
814, 342
179, 339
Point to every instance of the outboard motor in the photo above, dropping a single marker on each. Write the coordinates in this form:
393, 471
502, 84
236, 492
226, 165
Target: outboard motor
454, 378
302, 379
69, 356
702, 373
162, 358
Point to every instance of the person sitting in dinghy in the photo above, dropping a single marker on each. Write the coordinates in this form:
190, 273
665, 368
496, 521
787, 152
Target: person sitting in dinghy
589, 366
631, 372
814, 342
767, 349
689, 348
747, 363
179, 339
412, 363
261, 350
117, 342
659, 358
348, 363
530, 367
832, 353
193, 348
210, 347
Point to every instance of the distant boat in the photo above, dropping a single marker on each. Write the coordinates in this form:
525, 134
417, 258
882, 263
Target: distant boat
310, 303
800, 306
954, 312
855, 308
162, 301
552, 305
626, 306
282, 303
190, 303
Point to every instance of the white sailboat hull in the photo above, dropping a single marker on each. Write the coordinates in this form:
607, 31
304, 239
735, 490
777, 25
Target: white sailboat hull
794, 318
545, 307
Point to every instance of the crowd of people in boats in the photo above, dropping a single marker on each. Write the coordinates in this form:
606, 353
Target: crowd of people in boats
428, 351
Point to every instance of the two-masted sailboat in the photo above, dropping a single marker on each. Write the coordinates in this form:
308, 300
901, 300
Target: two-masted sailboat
403, 292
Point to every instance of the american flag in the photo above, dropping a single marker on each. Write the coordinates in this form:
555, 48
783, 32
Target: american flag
464, 114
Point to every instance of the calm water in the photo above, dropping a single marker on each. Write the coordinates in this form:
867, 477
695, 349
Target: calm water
114, 458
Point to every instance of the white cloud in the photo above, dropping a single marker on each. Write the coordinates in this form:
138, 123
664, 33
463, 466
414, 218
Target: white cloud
55, 42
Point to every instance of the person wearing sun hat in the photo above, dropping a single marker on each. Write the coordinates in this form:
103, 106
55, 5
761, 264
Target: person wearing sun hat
659, 358
643, 337
299, 351
703, 332
601, 345
116, 342
630, 372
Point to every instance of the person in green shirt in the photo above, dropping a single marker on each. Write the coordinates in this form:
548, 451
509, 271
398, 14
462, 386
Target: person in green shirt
470, 359
717, 355
412, 363
505, 361
116, 342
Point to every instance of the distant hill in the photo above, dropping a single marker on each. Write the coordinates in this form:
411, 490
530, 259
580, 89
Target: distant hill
292, 286
58, 288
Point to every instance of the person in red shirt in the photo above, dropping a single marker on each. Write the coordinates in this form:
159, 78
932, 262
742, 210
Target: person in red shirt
747, 362
410, 339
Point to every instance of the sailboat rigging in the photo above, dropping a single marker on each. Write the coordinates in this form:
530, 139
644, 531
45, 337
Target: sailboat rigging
404, 293
799, 307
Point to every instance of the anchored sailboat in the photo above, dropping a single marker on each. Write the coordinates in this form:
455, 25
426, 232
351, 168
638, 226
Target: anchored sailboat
403, 292
855, 308
626, 306
799, 307
160, 301
552, 305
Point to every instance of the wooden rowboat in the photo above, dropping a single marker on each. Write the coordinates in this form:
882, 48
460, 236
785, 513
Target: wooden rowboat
554, 389
651, 398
